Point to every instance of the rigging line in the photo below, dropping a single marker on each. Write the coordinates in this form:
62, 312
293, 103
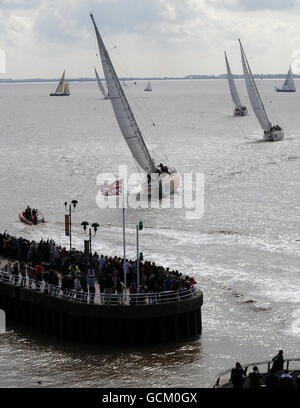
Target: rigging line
270, 104
133, 82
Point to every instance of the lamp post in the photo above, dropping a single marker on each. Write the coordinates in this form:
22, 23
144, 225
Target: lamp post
95, 227
139, 255
68, 220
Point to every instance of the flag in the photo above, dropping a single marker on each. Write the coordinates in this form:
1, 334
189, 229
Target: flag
113, 189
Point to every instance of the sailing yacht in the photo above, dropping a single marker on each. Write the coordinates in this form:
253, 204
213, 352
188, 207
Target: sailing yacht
168, 180
289, 83
239, 110
101, 87
271, 133
148, 88
62, 88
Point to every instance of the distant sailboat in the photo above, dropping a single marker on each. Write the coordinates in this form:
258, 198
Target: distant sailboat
168, 180
148, 88
62, 88
239, 110
271, 133
289, 83
101, 87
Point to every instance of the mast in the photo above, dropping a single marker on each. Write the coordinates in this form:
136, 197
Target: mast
101, 87
253, 94
232, 87
122, 110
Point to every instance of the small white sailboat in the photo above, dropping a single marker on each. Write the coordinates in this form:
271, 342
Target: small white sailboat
62, 88
101, 87
271, 133
168, 180
148, 87
239, 110
289, 83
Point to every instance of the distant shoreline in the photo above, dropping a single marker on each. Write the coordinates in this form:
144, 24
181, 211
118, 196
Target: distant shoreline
223, 76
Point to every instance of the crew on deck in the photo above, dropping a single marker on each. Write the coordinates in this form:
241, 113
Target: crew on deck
27, 213
276, 127
162, 169
31, 214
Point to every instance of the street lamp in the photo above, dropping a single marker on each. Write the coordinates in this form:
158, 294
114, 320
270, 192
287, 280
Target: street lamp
68, 220
95, 227
139, 256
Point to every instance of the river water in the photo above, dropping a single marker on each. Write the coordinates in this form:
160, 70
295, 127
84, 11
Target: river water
244, 251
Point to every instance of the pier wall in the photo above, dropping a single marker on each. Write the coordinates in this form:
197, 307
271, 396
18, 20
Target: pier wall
102, 324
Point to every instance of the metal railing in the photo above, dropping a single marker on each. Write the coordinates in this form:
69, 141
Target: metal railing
107, 297
267, 363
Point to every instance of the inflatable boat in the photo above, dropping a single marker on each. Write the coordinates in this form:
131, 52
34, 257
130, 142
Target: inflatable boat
26, 221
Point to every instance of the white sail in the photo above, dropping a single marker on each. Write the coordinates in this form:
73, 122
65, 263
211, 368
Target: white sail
148, 88
289, 84
101, 87
253, 93
232, 87
123, 113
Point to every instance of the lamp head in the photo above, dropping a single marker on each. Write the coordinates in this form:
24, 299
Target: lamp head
95, 226
74, 202
84, 224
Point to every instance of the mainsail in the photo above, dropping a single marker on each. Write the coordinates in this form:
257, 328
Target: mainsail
232, 87
101, 87
289, 84
60, 86
253, 93
123, 113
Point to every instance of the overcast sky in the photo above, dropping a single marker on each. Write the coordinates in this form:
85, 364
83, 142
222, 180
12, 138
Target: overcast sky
152, 37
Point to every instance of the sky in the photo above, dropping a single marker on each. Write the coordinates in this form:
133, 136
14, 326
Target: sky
148, 38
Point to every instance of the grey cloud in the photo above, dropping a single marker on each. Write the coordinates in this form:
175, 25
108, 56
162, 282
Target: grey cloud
252, 5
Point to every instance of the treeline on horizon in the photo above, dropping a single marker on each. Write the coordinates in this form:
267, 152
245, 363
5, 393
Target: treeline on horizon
83, 79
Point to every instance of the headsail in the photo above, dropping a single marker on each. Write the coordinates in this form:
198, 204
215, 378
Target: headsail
232, 87
66, 88
101, 87
289, 83
123, 113
60, 86
253, 93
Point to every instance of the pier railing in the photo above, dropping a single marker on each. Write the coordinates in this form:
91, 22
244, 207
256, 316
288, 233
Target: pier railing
107, 297
221, 381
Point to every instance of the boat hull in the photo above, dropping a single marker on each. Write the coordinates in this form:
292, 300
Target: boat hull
240, 113
274, 135
62, 94
166, 185
26, 221
284, 90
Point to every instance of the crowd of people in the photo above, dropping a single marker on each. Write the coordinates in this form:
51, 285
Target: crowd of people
277, 377
76, 272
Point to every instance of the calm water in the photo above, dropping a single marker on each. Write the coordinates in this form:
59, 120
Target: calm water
244, 252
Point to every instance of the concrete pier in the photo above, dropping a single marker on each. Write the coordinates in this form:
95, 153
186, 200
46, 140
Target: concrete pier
170, 321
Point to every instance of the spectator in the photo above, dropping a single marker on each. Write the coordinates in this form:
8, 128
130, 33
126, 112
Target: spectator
254, 378
237, 376
278, 361
286, 380
272, 381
